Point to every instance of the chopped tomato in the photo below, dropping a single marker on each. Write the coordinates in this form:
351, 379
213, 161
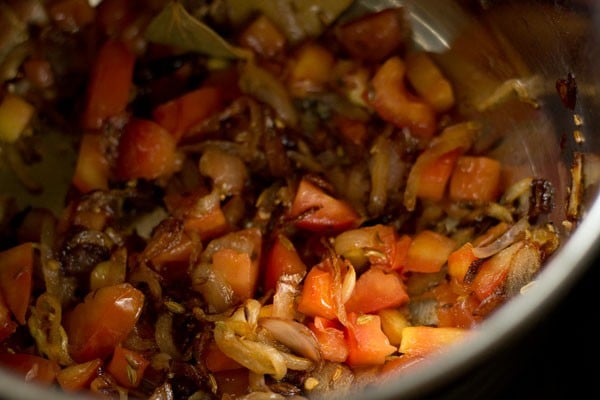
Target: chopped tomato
110, 84
315, 210
367, 344
427, 80
434, 177
310, 69
263, 37
7, 325
376, 290
459, 308
460, 260
237, 270
283, 259
16, 268
316, 298
330, 336
234, 383
92, 169
394, 104
78, 376
208, 225
179, 115
475, 179
72, 15
146, 150
423, 340
102, 321
128, 366
217, 361
375, 36
352, 130
428, 252
398, 365
32, 368
493, 272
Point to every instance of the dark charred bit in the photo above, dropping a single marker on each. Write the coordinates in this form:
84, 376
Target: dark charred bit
541, 200
567, 91
472, 271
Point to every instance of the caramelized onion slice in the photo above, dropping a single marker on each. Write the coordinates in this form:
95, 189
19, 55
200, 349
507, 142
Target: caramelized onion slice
258, 357
294, 335
513, 234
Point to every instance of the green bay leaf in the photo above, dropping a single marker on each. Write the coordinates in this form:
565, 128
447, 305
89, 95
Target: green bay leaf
174, 26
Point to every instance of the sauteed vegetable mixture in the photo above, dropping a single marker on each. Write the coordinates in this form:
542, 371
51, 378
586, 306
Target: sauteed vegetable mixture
270, 200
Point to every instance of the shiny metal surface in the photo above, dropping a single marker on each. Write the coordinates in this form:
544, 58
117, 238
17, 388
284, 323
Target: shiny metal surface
480, 45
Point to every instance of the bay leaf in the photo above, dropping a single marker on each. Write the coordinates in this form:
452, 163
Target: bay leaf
174, 26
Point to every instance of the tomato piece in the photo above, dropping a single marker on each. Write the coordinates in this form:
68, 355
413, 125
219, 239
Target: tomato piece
32, 368
376, 290
92, 169
331, 339
102, 321
217, 361
16, 268
146, 150
179, 115
424, 340
352, 130
208, 225
460, 306
367, 344
475, 179
110, 84
429, 82
7, 325
263, 37
71, 15
317, 211
493, 272
428, 252
128, 366
237, 270
234, 383
316, 298
310, 69
375, 36
394, 104
460, 260
283, 259
433, 177
78, 376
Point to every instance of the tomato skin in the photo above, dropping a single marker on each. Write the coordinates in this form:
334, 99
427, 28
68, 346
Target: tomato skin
434, 177
394, 104
16, 268
32, 368
475, 179
127, 366
179, 115
376, 290
102, 321
331, 339
217, 361
283, 259
78, 376
110, 84
7, 325
428, 252
423, 340
367, 343
316, 211
92, 169
316, 298
146, 150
